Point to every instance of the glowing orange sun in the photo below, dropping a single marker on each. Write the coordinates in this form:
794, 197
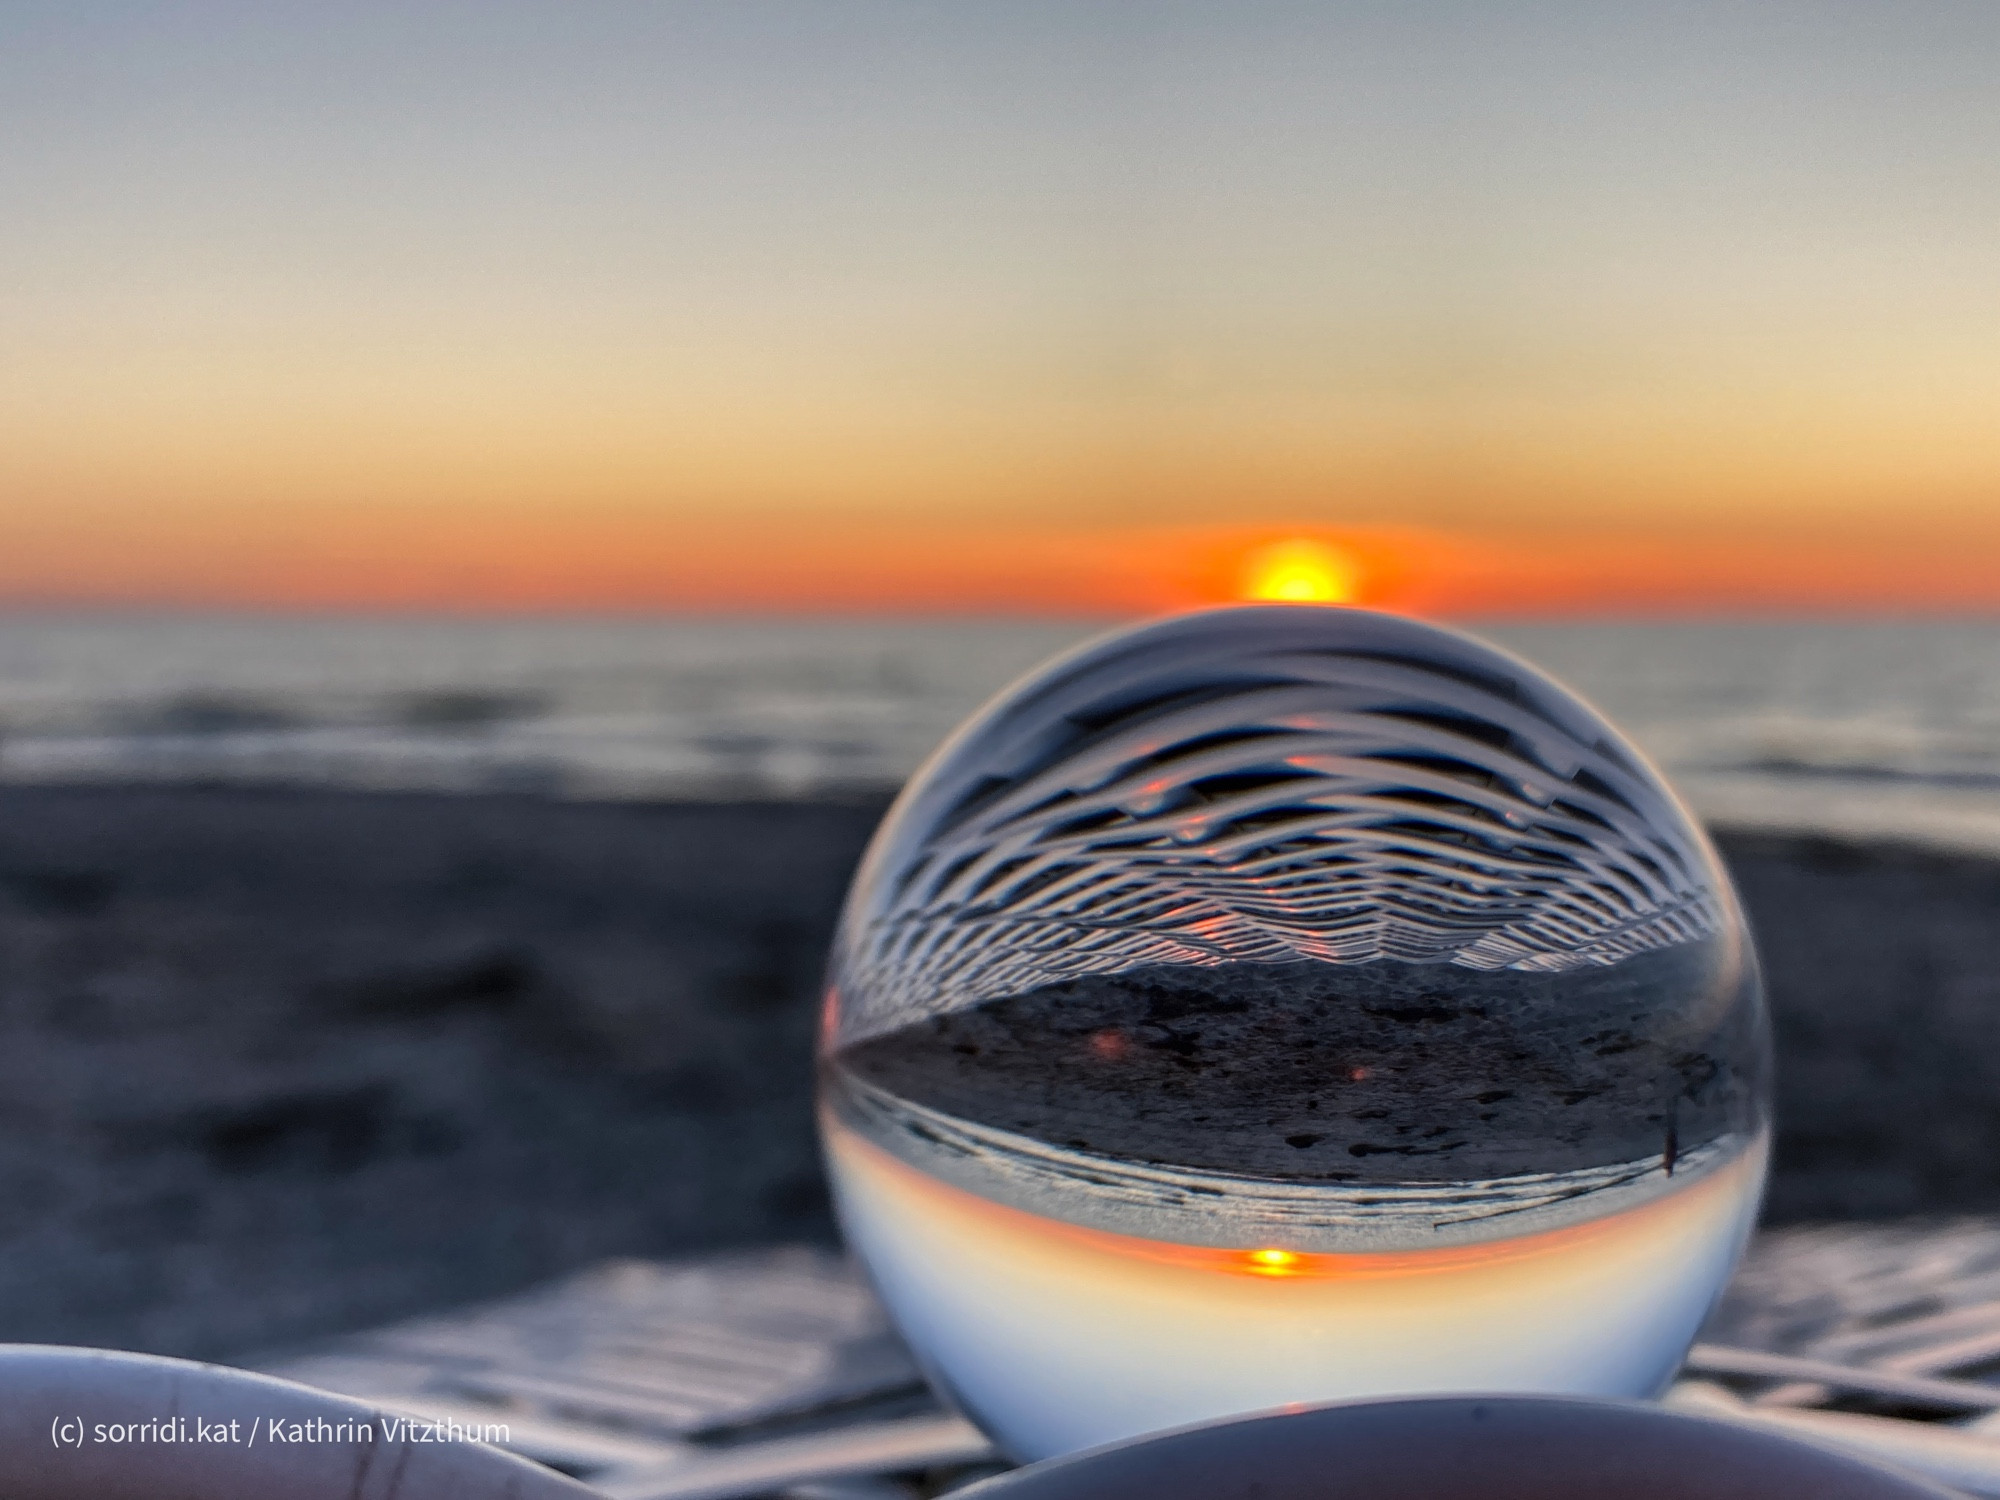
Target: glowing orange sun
1301, 572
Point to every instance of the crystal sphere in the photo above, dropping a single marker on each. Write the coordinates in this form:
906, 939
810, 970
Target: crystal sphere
1285, 1004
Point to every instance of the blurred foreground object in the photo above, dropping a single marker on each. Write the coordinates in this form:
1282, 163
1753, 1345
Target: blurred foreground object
1461, 1448
1284, 1004
92, 1424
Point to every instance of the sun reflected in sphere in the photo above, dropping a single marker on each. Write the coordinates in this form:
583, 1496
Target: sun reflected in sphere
1272, 1262
1284, 1004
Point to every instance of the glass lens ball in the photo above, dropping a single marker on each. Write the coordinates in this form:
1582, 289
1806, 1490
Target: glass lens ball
1284, 1004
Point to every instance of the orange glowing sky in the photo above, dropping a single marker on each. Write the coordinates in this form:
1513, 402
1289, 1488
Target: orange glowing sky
774, 306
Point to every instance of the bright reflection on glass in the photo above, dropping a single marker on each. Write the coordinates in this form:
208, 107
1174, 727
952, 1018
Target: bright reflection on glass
1282, 1004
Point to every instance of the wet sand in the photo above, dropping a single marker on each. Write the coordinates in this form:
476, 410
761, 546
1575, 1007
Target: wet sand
274, 1064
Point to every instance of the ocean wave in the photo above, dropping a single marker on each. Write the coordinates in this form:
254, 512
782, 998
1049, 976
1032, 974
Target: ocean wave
1892, 730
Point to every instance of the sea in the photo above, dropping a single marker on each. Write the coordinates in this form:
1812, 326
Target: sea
1878, 729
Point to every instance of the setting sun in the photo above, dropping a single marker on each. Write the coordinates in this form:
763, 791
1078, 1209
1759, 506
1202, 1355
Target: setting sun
1301, 572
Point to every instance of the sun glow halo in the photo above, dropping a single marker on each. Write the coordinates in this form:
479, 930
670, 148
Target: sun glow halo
1300, 571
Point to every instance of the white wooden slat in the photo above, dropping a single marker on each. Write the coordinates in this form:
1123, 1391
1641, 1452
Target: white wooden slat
1951, 1395
667, 1349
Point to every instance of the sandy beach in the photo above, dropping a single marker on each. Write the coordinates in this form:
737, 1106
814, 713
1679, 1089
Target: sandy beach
277, 1063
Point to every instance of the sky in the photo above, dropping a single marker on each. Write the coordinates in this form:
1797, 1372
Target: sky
1013, 306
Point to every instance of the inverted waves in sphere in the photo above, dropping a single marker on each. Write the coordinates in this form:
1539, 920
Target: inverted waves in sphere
1252, 788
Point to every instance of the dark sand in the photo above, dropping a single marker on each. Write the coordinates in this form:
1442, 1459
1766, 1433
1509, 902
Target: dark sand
277, 1064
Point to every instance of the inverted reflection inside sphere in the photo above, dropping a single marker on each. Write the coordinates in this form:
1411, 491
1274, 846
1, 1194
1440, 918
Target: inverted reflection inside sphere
1285, 1004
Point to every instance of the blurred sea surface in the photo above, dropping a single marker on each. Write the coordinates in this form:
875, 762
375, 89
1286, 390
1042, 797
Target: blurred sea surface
1860, 728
